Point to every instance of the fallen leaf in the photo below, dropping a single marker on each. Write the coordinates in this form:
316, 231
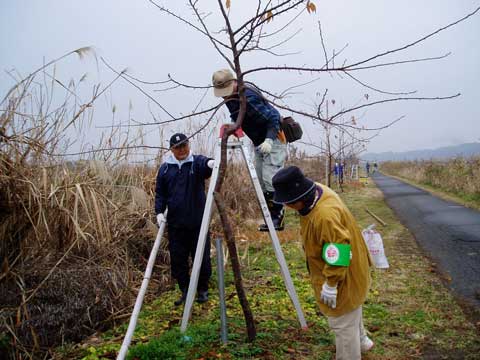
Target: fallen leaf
269, 16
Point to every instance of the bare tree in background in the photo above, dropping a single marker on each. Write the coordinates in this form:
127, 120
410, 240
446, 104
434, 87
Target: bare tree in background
343, 138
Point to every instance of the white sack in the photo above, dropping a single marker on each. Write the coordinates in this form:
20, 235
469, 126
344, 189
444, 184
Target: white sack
375, 246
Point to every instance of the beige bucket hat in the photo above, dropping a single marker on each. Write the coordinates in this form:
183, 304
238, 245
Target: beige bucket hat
223, 83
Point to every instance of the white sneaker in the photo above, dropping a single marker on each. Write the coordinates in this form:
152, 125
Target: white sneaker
366, 344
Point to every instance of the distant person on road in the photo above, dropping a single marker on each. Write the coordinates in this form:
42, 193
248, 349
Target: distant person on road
337, 257
341, 169
262, 126
375, 167
180, 187
336, 172
367, 167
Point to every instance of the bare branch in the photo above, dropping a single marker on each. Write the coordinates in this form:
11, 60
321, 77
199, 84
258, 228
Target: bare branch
138, 87
171, 79
378, 90
178, 17
147, 82
262, 14
347, 68
136, 146
323, 45
262, 21
93, 151
415, 42
207, 33
269, 49
166, 121
292, 68
343, 112
287, 24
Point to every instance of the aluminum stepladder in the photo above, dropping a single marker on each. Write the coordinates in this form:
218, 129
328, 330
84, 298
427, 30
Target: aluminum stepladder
239, 144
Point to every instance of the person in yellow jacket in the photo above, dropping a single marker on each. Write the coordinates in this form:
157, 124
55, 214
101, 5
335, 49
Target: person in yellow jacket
337, 257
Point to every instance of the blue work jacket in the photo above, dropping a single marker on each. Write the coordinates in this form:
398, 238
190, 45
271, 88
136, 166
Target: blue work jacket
261, 121
181, 187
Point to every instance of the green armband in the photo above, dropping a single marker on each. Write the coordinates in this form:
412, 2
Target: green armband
337, 254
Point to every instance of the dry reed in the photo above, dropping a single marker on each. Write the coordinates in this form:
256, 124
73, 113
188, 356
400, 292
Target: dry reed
459, 175
74, 235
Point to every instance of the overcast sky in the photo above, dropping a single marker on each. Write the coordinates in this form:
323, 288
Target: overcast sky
133, 34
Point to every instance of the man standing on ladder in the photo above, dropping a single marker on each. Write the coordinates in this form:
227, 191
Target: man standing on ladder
262, 126
181, 187
337, 257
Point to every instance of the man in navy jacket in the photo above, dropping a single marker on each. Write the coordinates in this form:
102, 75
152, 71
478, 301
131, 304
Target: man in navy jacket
181, 187
262, 126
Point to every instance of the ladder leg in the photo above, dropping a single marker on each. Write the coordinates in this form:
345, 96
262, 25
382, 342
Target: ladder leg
273, 235
197, 262
141, 294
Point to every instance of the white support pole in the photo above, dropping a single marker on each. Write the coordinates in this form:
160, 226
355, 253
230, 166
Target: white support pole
273, 235
197, 262
141, 293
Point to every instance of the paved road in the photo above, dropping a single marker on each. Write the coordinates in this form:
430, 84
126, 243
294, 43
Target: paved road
448, 233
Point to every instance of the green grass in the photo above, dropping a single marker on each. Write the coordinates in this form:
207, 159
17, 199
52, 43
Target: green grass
408, 312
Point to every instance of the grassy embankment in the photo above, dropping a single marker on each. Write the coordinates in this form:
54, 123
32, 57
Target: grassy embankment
409, 313
456, 180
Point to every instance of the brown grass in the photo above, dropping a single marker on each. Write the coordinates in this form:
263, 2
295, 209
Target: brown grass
74, 235
457, 176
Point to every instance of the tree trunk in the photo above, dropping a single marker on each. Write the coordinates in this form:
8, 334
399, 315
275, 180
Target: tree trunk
230, 239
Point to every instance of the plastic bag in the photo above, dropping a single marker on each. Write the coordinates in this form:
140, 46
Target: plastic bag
375, 246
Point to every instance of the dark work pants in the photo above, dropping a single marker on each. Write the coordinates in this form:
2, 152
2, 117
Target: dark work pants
182, 244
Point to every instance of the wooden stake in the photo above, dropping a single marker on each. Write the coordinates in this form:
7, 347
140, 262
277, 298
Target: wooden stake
376, 217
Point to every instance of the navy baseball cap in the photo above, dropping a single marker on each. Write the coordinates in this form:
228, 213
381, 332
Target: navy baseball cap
178, 139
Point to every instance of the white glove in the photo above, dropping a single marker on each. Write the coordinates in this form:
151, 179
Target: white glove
329, 295
160, 219
211, 163
266, 146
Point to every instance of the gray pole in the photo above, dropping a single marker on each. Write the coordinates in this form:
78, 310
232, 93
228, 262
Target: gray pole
221, 290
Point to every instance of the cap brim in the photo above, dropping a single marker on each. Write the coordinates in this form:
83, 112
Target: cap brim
185, 141
226, 91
